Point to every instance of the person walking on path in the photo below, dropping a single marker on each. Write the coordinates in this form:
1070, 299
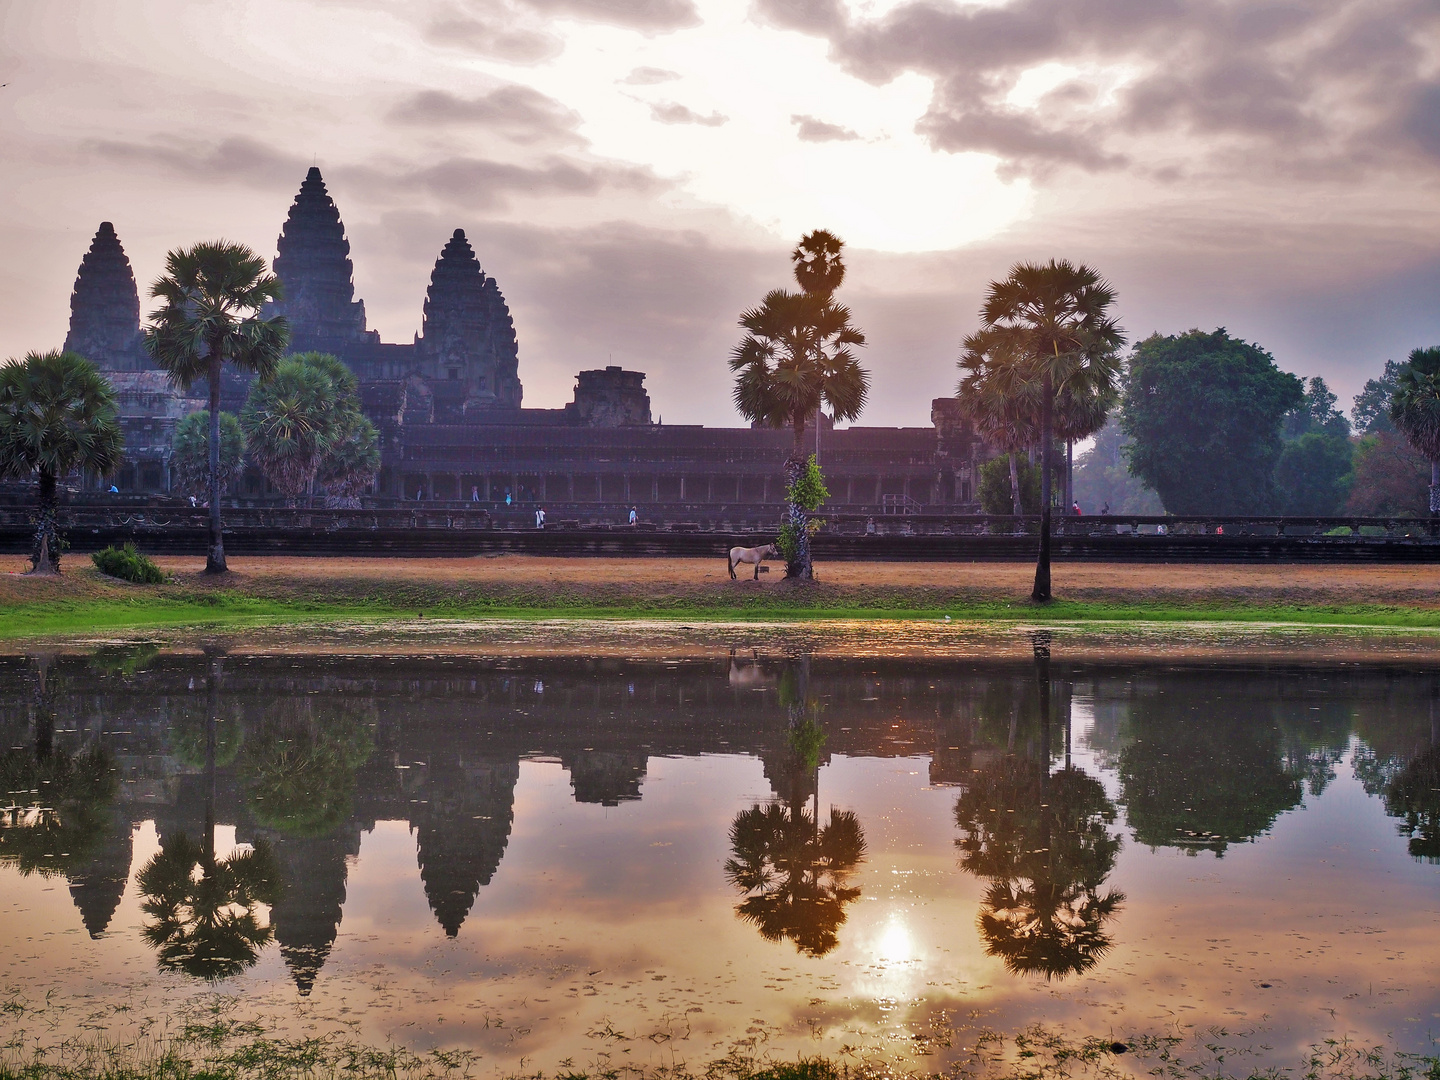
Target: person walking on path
540, 518
634, 517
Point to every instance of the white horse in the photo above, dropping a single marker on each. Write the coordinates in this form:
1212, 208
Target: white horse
751, 556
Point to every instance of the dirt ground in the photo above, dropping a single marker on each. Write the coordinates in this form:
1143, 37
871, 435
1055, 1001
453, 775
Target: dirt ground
1397, 585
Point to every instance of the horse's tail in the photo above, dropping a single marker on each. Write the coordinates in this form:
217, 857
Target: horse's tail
730, 562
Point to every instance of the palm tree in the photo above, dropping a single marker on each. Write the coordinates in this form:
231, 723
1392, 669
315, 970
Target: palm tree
352, 445
204, 924
288, 423
211, 297
1415, 411
57, 415
795, 872
1053, 321
1080, 412
190, 446
797, 355
1000, 403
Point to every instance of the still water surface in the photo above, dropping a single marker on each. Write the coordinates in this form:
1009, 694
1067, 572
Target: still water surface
556, 858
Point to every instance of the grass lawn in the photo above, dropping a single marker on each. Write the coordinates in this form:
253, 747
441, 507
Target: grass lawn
264, 590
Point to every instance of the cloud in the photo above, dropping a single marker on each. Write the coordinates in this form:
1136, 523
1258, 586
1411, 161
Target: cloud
1316, 89
495, 32
653, 16
229, 160
649, 76
810, 129
669, 112
523, 115
481, 184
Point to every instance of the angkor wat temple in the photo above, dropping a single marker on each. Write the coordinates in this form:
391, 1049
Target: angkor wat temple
449, 404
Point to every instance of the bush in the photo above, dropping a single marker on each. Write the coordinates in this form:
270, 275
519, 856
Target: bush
128, 564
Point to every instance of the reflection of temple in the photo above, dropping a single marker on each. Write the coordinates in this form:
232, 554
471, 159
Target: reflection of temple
450, 734
448, 404
461, 830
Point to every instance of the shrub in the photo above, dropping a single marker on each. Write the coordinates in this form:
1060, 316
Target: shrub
128, 564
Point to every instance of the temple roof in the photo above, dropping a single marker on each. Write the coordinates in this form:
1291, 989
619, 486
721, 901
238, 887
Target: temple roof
314, 266
105, 306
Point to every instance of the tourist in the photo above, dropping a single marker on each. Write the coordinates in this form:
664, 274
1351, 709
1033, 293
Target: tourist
114, 490
870, 526
540, 518
474, 494
507, 496
634, 517
1075, 508
1105, 510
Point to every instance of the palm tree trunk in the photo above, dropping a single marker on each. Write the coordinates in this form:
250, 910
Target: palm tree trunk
212, 717
1015, 507
1434, 496
45, 556
800, 567
215, 560
1069, 475
1041, 592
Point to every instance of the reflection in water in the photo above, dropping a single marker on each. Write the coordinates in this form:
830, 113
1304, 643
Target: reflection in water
304, 756
202, 909
795, 871
1043, 842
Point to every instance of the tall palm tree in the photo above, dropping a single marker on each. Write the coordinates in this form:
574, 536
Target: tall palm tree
1054, 321
797, 355
211, 296
1415, 411
57, 415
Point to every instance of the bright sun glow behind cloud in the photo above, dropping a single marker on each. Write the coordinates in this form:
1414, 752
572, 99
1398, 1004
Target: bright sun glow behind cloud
883, 189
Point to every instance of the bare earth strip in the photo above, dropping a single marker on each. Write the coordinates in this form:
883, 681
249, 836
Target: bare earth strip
635, 580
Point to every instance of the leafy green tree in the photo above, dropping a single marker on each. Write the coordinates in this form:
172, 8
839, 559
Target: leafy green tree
1370, 414
1103, 477
57, 416
190, 465
1002, 478
1314, 474
797, 355
1052, 322
289, 421
1204, 412
1391, 478
211, 296
1415, 411
1316, 413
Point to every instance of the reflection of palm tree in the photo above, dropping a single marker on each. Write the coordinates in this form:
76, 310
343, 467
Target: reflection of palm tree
204, 908
1043, 841
797, 873
301, 763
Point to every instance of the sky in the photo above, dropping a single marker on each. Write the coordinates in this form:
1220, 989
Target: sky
634, 173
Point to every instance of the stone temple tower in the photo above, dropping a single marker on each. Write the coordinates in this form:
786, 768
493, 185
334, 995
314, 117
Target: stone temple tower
105, 307
468, 337
314, 265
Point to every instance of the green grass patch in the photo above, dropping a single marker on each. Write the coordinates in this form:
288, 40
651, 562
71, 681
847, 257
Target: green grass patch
127, 564
67, 615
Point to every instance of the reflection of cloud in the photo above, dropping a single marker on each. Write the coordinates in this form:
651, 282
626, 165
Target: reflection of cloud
810, 129
670, 112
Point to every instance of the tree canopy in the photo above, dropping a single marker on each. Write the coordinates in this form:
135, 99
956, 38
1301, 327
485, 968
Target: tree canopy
1204, 413
190, 465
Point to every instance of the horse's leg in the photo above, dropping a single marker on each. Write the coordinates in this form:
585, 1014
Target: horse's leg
757, 569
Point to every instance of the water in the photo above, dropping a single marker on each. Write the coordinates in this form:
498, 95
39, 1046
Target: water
561, 846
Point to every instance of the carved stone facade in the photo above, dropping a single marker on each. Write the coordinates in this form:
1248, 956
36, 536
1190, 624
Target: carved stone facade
449, 404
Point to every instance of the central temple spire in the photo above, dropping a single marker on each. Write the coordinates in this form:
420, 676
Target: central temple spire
314, 265
105, 307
